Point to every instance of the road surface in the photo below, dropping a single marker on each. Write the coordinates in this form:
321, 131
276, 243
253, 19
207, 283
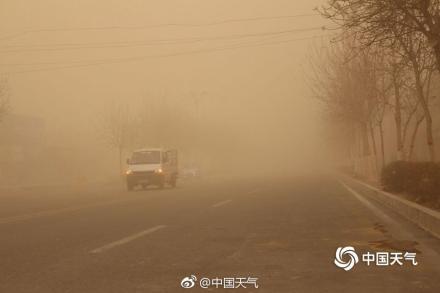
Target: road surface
283, 231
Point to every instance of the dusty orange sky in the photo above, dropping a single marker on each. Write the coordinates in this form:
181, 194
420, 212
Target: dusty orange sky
260, 88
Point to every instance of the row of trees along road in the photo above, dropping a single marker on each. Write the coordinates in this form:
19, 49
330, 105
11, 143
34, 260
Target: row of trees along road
152, 123
385, 60
160, 122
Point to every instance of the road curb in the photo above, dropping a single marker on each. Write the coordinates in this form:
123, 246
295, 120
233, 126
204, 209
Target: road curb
425, 218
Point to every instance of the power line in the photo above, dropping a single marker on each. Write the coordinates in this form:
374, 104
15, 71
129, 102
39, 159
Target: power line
99, 60
258, 42
77, 46
81, 64
141, 27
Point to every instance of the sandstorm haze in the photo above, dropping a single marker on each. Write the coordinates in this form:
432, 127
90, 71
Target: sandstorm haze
266, 146
224, 89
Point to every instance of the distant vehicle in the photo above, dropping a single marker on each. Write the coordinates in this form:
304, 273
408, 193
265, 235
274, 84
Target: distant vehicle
152, 167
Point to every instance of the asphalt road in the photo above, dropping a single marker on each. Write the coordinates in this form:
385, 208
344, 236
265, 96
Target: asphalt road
284, 232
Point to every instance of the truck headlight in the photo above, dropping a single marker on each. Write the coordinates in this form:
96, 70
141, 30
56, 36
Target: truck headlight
128, 172
158, 171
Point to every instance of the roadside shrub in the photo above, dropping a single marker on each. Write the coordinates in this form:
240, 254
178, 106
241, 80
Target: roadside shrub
395, 176
427, 180
420, 179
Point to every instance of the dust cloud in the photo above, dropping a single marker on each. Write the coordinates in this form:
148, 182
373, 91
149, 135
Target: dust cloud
221, 81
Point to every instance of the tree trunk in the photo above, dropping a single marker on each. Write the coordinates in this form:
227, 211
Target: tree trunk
365, 144
426, 111
437, 54
365, 162
373, 142
429, 137
413, 138
398, 116
382, 144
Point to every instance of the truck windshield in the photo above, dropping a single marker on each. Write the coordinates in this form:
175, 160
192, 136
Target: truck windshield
145, 157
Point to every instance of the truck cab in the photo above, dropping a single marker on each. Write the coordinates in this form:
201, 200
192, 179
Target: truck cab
152, 167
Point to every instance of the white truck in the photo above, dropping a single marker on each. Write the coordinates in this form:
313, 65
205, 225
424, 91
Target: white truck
152, 167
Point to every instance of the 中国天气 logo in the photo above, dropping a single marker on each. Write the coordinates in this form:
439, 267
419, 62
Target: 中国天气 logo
346, 252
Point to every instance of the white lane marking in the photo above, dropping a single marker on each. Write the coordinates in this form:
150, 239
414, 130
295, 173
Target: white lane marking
222, 203
60, 211
368, 204
126, 239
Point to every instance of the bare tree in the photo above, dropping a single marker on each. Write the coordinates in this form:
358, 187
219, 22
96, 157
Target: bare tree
347, 84
404, 104
422, 65
398, 73
427, 85
117, 129
373, 21
411, 28
382, 97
